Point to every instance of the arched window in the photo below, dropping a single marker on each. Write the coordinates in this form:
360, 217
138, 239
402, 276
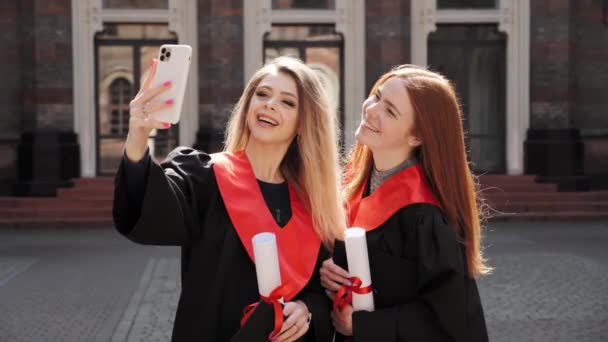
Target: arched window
120, 96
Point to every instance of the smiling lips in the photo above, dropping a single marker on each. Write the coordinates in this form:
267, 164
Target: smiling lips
267, 119
369, 127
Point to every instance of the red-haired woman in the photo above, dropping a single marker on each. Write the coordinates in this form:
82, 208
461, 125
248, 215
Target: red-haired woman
408, 184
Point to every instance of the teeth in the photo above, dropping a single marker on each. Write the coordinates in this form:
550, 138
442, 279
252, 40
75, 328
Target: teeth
267, 120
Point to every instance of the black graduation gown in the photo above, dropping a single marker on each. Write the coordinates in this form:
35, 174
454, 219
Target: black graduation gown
419, 277
182, 206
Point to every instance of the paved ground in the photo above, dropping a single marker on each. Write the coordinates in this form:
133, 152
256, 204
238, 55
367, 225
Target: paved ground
550, 284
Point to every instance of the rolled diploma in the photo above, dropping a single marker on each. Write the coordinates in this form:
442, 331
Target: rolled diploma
266, 258
358, 266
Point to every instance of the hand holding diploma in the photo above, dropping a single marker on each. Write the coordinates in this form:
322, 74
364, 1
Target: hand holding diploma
358, 265
296, 320
353, 287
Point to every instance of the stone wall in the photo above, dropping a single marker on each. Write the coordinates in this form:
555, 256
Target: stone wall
387, 37
221, 71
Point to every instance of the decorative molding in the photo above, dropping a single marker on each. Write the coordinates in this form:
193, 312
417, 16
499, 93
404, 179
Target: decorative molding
423, 22
472, 16
349, 18
88, 17
303, 16
513, 18
350, 22
134, 15
257, 22
86, 22
184, 22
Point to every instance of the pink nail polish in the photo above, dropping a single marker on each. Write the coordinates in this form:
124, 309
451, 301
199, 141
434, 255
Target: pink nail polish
169, 101
167, 84
166, 124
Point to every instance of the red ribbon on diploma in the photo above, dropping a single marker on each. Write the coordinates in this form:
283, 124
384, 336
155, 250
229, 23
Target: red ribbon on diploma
276, 294
345, 293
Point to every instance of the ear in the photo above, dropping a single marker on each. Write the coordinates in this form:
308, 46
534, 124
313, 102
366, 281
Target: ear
414, 141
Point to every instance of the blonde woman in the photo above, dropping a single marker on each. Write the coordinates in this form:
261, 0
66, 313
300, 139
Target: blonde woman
279, 173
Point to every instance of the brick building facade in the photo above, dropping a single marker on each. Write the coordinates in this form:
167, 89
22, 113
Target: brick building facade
50, 55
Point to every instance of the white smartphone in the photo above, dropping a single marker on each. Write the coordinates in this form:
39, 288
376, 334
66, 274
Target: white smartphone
173, 65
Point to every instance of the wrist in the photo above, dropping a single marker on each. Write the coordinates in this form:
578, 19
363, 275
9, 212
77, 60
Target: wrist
135, 148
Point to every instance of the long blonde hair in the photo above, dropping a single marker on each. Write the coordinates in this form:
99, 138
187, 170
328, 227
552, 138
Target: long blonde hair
311, 164
442, 155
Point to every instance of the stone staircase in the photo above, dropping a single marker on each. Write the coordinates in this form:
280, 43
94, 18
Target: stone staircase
521, 198
89, 202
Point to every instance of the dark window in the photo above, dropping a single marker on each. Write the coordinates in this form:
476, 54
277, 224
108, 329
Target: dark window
120, 96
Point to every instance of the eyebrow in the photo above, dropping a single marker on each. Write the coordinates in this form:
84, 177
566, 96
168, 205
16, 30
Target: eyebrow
283, 92
389, 103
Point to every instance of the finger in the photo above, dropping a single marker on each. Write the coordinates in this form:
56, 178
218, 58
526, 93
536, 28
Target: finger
330, 276
337, 269
140, 122
285, 335
149, 94
330, 284
330, 294
294, 331
334, 272
289, 308
289, 323
335, 321
158, 106
302, 329
151, 73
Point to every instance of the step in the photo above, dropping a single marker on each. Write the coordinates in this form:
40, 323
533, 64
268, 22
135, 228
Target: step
57, 222
53, 202
498, 179
85, 193
557, 196
533, 187
93, 181
9, 213
548, 216
520, 207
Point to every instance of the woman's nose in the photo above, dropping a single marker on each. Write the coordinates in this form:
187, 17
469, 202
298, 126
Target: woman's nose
271, 103
372, 110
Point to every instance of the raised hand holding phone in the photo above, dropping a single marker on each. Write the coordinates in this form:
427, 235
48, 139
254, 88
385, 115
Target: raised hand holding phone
140, 121
158, 103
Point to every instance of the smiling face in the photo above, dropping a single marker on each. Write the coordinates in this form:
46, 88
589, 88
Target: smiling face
387, 120
273, 110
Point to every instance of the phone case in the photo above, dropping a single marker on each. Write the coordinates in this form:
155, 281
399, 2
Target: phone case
173, 65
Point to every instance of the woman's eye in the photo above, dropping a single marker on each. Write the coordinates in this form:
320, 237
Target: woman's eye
289, 103
260, 93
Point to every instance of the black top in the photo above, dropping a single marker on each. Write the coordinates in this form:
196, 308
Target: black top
419, 277
180, 204
276, 197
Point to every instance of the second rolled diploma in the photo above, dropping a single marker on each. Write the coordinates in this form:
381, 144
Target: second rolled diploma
358, 266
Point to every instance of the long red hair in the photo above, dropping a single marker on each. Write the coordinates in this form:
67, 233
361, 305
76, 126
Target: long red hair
442, 155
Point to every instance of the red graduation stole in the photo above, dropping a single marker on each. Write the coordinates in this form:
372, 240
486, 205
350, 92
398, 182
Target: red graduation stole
408, 186
297, 242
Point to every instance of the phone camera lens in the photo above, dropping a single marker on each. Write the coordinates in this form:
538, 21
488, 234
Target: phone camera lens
168, 54
163, 50
162, 58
